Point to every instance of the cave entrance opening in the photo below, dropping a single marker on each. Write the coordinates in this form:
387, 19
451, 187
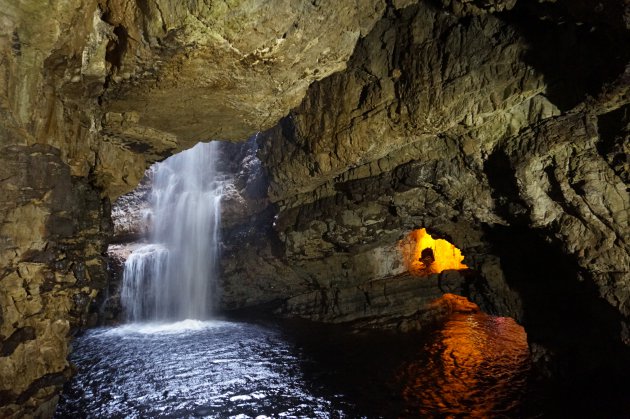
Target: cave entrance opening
423, 255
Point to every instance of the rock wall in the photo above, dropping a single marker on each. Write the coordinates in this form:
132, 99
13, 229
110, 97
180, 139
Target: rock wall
54, 233
463, 121
91, 93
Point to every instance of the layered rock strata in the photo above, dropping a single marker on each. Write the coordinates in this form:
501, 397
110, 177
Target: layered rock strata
54, 230
91, 93
462, 123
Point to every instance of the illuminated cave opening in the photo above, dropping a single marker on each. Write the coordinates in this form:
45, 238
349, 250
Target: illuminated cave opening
424, 255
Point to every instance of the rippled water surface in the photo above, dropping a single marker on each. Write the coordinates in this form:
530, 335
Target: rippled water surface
472, 365
188, 368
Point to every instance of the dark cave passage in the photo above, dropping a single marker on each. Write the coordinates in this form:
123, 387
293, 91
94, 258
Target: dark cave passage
574, 334
583, 56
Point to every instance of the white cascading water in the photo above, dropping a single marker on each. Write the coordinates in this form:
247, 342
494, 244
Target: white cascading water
174, 275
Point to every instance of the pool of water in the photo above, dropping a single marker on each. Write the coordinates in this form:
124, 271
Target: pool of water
472, 365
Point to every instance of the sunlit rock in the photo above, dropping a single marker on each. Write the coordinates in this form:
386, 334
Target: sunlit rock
425, 255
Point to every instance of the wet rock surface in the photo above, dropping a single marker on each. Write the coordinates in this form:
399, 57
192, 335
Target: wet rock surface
532, 167
77, 80
54, 235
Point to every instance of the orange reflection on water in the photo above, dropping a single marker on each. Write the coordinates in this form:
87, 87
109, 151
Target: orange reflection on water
476, 366
425, 255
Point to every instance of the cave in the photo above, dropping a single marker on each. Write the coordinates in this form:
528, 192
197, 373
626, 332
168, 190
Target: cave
425, 255
377, 162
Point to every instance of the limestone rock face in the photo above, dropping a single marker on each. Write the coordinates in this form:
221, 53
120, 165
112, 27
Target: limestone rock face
132, 82
473, 7
403, 302
399, 143
466, 124
412, 78
54, 233
131, 213
572, 194
239, 64
91, 93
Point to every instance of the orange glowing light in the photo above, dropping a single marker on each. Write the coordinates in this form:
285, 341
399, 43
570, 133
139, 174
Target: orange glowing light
425, 255
474, 366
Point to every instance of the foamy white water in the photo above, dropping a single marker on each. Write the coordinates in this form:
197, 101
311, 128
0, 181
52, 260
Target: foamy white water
174, 276
158, 328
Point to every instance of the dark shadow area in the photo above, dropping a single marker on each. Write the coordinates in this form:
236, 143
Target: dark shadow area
500, 174
578, 330
610, 126
574, 44
356, 367
116, 49
106, 308
614, 131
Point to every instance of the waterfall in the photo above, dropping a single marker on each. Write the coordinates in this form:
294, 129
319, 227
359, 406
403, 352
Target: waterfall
173, 276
